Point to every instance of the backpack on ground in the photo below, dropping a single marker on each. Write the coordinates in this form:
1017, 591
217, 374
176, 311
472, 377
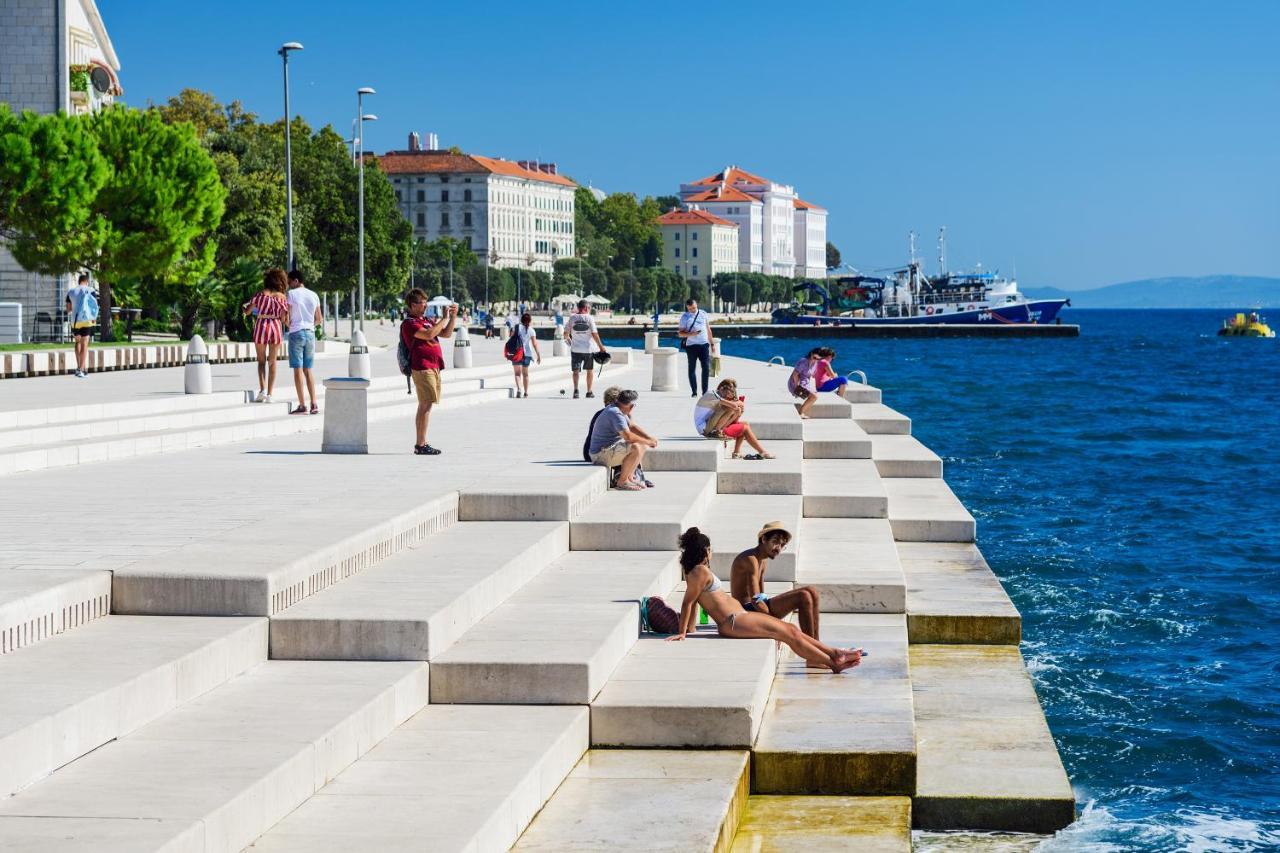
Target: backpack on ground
656, 616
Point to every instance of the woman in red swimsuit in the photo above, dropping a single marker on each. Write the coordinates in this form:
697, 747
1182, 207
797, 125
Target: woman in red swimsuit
268, 307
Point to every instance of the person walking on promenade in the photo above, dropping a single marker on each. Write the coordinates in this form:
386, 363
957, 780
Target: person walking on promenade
82, 308
529, 348
584, 340
718, 414
304, 316
421, 336
696, 339
616, 442
734, 621
488, 323
268, 306
747, 581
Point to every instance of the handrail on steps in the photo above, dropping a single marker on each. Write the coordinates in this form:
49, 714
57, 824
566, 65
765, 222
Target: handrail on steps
782, 362
862, 377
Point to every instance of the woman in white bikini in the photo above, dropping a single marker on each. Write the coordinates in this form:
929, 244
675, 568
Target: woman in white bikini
704, 588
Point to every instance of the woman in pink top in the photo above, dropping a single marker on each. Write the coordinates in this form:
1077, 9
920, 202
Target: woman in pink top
813, 374
268, 307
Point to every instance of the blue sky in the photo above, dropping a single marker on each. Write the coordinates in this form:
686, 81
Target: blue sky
1083, 143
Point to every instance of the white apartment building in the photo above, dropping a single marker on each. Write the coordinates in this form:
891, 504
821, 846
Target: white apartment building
778, 233
54, 55
511, 213
698, 245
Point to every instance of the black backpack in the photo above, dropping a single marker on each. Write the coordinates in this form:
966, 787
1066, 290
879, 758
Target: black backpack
513, 350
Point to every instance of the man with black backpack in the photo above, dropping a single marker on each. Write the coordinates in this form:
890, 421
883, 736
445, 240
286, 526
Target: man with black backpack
420, 347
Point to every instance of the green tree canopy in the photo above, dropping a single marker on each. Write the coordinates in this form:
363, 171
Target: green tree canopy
833, 256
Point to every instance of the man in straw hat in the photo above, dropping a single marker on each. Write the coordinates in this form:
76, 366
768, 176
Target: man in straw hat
747, 581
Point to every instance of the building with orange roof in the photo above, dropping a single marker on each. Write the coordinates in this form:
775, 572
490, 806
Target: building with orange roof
697, 244
513, 213
778, 233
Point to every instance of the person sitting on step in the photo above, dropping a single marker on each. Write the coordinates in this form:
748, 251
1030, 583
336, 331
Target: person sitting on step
747, 581
616, 441
610, 397
703, 588
718, 414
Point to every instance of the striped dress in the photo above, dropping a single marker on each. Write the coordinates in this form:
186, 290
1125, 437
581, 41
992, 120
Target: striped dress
268, 310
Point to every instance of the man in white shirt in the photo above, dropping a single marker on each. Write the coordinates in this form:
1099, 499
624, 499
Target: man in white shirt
695, 332
584, 340
304, 316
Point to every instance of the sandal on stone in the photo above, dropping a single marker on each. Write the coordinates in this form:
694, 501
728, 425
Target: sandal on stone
425, 450
629, 487
301, 410
753, 457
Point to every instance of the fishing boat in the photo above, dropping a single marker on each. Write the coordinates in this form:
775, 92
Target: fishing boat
1240, 326
907, 296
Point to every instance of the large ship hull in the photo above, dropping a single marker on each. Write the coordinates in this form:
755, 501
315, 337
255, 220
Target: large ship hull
1037, 311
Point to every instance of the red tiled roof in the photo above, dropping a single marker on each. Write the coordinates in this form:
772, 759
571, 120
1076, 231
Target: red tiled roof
692, 217
804, 205
435, 162
732, 175
722, 193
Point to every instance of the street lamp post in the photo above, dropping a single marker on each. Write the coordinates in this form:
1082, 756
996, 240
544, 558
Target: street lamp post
362, 118
631, 297
288, 150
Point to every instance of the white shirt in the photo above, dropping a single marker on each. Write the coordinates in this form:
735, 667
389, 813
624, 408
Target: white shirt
303, 304
525, 333
76, 295
696, 322
581, 328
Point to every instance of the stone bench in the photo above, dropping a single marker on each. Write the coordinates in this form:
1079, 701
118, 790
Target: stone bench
924, 509
835, 439
651, 520
879, 419
843, 488
904, 456
853, 564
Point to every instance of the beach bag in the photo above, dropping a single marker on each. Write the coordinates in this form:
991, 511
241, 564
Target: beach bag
513, 350
656, 616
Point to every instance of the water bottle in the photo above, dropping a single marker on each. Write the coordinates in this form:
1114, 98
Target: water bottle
702, 616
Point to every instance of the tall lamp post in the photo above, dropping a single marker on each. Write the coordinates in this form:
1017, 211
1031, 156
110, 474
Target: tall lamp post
362, 118
631, 298
288, 149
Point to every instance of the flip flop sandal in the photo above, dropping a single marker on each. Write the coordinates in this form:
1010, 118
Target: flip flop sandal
301, 410
425, 450
629, 487
753, 457
315, 410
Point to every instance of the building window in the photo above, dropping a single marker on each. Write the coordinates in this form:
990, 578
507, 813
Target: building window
676, 268
398, 198
695, 272
444, 179
677, 237
695, 252
444, 219
693, 236
422, 180
444, 195
422, 195
677, 251
466, 195
466, 220
422, 220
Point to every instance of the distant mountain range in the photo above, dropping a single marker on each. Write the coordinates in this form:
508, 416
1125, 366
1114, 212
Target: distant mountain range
1211, 291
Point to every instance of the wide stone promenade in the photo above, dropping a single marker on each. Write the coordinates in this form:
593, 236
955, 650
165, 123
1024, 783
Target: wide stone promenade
214, 637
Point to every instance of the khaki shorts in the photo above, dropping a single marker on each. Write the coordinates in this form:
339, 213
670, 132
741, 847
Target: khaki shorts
427, 384
612, 455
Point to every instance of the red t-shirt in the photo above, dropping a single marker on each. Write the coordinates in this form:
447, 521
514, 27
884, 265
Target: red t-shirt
423, 355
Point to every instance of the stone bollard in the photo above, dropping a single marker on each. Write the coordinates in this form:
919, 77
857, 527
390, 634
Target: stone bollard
665, 376
461, 347
346, 415
197, 377
559, 347
715, 357
358, 365
503, 332
650, 341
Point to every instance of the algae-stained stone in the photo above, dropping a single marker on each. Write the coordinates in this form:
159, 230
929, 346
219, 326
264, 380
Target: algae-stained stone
845, 734
986, 757
954, 597
825, 825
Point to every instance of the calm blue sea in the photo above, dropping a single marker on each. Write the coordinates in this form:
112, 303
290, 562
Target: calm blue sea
1125, 495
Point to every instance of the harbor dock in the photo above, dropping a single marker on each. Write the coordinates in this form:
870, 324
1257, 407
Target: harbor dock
248, 644
911, 330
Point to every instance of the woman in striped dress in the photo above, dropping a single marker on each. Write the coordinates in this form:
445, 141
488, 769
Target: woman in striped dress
268, 307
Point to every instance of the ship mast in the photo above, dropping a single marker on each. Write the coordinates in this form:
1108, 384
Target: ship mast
942, 251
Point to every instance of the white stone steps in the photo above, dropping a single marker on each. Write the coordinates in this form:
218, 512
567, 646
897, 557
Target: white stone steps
827, 825
196, 579
843, 488
69, 695
452, 779
40, 603
705, 691
222, 769
851, 733
987, 759
416, 604
954, 597
557, 640
233, 411
732, 522
651, 520
835, 438
904, 456
879, 419
657, 801
554, 495
685, 452
161, 404
780, 476
924, 509
853, 564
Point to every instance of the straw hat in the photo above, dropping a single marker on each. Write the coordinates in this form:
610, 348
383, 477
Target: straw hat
773, 527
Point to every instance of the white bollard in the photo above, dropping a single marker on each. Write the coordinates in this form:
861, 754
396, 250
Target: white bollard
358, 364
346, 415
715, 357
665, 377
197, 377
503, 332
461, 347
559, 348
650, 341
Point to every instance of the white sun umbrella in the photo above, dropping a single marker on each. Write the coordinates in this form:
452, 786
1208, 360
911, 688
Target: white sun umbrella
566, 299
441, 300
597, 300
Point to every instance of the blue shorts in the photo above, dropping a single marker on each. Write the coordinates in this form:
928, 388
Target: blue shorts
833, 383
302, 348
524, 362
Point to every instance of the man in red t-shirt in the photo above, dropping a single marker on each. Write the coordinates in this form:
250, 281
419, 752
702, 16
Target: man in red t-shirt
422, 337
